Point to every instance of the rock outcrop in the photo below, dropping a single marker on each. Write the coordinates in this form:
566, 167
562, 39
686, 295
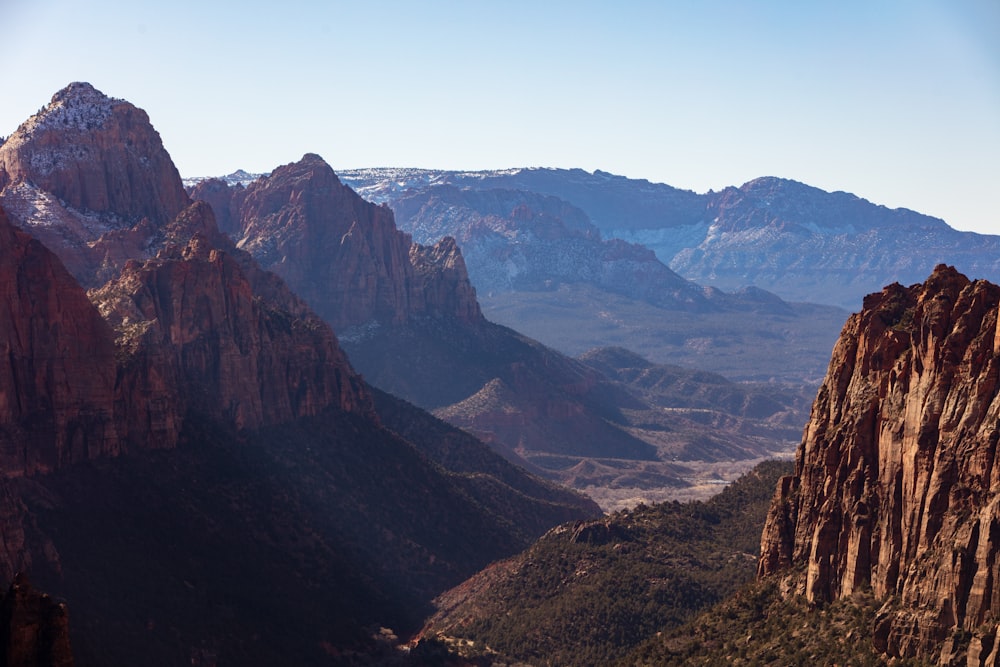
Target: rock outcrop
57, 368
342, 254
99, 155
896, 478
193, 335
34, 628
89, 177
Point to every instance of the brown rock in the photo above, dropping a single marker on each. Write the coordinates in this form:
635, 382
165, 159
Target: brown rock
98, 154
34, 628
344, 255
89, 177
224, 200
57, 363
896, 478
193, 335
443, 281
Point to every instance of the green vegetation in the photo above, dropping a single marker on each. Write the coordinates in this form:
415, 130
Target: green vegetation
757, 626
587, 593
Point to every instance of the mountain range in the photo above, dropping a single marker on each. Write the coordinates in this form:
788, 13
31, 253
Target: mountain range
195, 471
189, 455
800, 242
408, 316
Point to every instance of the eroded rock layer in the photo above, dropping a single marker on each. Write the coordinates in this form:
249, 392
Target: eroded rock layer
57, 363
896, 481
193, 335
340, 253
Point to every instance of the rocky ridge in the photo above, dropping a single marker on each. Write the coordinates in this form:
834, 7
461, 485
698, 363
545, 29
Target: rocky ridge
542, 267
895, 480
411, 323
517, 240
88, 171
189, 414
340, 253
800, 242
191, 334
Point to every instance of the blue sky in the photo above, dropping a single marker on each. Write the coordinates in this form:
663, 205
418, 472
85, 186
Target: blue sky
897, 101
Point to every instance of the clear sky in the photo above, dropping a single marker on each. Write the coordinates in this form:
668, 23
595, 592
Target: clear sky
897, 101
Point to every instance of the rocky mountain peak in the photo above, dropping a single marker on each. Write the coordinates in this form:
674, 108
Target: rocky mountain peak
896, 478
342, 254
194, 329
98, 155
79, 106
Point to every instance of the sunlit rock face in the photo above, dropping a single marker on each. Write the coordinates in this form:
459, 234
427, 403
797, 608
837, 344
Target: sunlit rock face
97, 154
89, 177
193, 335
896, 482
342, 254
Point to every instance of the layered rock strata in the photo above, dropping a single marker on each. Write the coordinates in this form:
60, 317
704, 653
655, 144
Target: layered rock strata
896, 480
57, 363
193, 335
89, 177
342, 254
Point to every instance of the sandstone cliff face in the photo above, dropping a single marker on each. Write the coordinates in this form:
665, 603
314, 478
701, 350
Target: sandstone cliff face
224, 200
193, 335
34, 628
896, 478
441, 282
344, 255
89, 177
98, 154
57, 367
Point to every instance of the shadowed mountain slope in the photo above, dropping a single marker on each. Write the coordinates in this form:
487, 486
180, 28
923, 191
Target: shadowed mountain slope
192, 464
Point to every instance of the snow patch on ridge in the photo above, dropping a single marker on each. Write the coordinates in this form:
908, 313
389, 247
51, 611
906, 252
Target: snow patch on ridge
238, 177
79, 106
31, 207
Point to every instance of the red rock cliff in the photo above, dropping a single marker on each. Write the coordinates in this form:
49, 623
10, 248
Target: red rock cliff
89, 177
344, 255
57, 363
97, 154
897, 482
193, 335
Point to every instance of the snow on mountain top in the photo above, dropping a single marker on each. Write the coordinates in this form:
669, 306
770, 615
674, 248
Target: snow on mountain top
238, 177
78, 106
